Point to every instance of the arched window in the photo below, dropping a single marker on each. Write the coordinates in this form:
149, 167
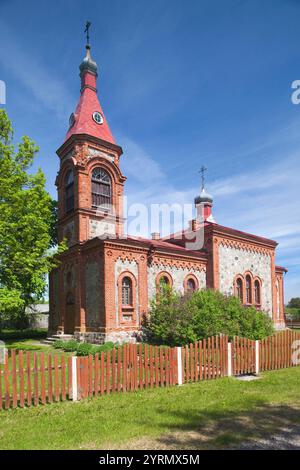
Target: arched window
101, 188
190, 285
257, 292
248, 290
162, 283
69, 191
126, 291
239, 289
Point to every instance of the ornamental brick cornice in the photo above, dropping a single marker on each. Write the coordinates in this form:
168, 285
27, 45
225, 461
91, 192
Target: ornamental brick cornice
118, 247
180, 264
244, 246
216, 230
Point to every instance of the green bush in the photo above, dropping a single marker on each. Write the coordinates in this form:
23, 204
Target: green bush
70, 346
59, 344
176, 320
84, 349
104, 347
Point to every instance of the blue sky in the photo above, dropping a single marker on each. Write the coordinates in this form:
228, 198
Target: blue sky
182, 83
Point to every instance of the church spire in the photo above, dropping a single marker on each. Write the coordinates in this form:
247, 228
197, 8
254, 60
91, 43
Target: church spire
88, 117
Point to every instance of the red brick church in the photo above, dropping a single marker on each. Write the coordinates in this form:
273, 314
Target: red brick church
105, 280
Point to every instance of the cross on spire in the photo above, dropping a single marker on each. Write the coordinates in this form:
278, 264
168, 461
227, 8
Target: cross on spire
202, 171
87, 28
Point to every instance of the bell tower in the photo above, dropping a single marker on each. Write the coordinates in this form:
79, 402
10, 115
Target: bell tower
89, 182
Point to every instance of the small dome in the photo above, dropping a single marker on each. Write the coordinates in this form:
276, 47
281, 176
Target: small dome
204, 197
87, 63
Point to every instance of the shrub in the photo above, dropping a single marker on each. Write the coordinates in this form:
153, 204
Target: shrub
177, 320
104, 347
59, 344
70, 346
84, 349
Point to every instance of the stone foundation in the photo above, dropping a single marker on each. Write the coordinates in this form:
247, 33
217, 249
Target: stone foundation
113, 336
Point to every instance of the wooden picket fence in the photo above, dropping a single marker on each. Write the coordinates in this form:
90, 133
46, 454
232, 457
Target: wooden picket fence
243, 356
33, 378
130, 368
29, 379
276, 352
204, 360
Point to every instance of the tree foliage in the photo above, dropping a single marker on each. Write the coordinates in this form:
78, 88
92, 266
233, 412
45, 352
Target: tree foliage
177, 320
294, 302
27, 223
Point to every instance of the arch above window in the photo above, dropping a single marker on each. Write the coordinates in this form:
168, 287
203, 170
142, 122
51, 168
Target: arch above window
69, 191
101, 188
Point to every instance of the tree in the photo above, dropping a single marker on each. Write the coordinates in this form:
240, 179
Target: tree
27, 224
177, 320
294, 302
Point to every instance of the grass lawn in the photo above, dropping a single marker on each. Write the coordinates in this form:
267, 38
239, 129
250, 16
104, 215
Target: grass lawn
211, 414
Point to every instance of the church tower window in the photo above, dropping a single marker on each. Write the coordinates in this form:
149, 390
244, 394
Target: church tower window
101, 188
69, 191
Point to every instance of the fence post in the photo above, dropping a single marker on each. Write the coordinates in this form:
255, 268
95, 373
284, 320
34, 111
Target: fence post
229, 360
179, 365
74, 379
256, 357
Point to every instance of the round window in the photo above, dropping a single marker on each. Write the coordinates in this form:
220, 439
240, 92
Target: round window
98, 117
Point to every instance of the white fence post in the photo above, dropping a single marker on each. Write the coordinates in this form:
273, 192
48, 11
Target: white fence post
179, 365
256, 357
74, 379
229, 360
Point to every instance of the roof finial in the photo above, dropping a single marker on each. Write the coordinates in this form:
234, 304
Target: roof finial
87, 28
202, 171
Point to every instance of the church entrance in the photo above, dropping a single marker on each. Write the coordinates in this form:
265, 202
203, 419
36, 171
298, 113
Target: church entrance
69, 323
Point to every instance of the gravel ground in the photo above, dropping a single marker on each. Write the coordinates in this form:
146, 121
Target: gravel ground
287, 439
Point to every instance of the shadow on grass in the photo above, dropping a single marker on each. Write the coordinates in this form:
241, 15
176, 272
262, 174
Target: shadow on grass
267, 426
